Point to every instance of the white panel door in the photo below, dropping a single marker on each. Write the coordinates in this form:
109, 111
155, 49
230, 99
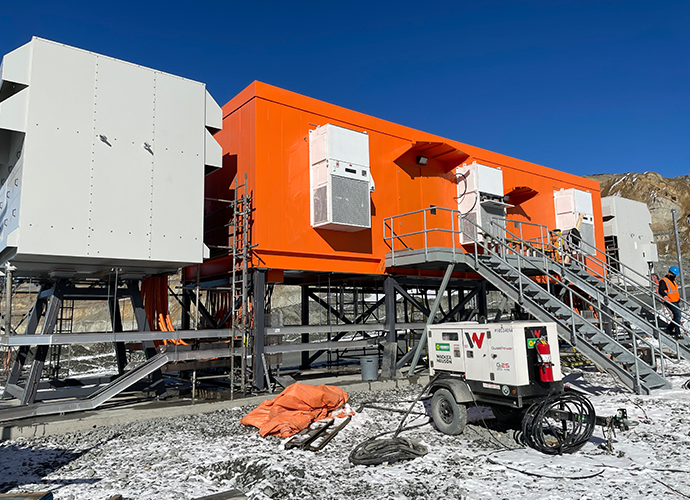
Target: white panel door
121, 175
178, 178
57, 160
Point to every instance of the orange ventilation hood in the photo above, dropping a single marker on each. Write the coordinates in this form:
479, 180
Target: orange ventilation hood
438, 155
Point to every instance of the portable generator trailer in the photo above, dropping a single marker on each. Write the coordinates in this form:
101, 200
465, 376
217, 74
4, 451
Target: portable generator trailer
514, 368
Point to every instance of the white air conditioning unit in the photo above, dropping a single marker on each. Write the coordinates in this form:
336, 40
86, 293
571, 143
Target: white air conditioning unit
340, 179
570, 205
480, 201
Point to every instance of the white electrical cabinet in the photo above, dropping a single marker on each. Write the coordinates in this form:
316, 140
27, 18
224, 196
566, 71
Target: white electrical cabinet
480, 201
102, 163
494, 354
340, 179
628, 237
571, 205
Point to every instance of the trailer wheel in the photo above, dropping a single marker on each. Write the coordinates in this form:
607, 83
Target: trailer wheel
506, 414
449, 416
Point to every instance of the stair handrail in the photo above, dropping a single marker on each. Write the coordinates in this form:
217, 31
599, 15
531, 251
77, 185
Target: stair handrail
647, 279
477, 230
671, 342
573, 334
632, 333
627, 281
609, 271
388, 223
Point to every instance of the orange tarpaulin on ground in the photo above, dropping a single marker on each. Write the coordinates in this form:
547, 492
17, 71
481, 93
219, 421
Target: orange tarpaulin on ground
295, 408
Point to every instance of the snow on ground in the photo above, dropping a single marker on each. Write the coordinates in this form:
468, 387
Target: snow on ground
192, 456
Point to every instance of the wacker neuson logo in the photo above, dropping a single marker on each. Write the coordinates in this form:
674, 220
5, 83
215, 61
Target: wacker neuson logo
443, 347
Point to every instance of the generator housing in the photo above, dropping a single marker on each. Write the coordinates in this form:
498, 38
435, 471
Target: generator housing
499, 361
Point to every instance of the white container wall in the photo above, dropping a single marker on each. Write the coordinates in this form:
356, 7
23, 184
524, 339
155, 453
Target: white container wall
102, 163
629, 237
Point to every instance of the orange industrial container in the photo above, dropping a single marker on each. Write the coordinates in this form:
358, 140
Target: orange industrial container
266, 135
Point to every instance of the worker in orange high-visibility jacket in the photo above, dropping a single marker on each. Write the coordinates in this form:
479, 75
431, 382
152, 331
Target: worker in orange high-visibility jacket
668, 289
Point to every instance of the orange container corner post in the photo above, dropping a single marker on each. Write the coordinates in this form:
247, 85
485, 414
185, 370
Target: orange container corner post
266, 136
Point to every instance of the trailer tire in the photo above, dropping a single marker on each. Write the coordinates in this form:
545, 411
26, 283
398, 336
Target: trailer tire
507, 415
449, 416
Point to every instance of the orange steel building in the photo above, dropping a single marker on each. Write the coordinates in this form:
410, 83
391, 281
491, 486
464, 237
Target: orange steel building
265, 135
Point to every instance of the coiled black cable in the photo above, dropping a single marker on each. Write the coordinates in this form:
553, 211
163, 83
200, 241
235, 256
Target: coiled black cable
559, 424
380, 451
376, 451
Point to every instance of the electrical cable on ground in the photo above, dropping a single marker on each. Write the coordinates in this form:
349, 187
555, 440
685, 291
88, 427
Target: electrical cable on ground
383, 408
670, 488
376, 451
541, 432
501, 445
623, 388
546, 476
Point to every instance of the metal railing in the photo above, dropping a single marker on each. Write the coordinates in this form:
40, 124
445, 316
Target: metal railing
611, 316
541, 249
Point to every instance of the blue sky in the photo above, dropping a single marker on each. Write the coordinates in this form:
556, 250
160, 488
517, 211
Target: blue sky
582, 86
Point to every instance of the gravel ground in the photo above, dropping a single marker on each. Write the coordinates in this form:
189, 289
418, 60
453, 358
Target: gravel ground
192, 456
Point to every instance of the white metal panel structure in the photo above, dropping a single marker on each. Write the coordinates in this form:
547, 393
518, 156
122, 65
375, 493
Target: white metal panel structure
570, 205
102, 163
480, 199
340, 179
628, 236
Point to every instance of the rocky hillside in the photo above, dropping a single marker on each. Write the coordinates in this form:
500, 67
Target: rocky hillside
661, 196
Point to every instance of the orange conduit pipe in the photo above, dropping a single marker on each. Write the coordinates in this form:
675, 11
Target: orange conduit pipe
154, 291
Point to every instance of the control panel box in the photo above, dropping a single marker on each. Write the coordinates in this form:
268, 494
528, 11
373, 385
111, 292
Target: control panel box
493, 354
102, 163
340, 179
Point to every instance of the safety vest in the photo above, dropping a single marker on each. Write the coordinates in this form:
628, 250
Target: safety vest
671, 290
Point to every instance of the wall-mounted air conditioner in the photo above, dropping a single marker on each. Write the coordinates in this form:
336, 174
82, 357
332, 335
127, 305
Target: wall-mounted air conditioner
571, 205
480, 201
340, 179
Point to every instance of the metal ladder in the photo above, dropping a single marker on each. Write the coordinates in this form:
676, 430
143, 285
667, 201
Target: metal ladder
240, 297
64, 324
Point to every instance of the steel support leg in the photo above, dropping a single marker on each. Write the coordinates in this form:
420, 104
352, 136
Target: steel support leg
430, 319
305, 364
31, 326
389, 291
259, 326
52, 312
116, 321
157, 383
483, 311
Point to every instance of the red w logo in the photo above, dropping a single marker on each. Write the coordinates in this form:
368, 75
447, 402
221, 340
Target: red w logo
475, 340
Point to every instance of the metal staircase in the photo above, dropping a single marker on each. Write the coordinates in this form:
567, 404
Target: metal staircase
584, 334
614, 286
592, 304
